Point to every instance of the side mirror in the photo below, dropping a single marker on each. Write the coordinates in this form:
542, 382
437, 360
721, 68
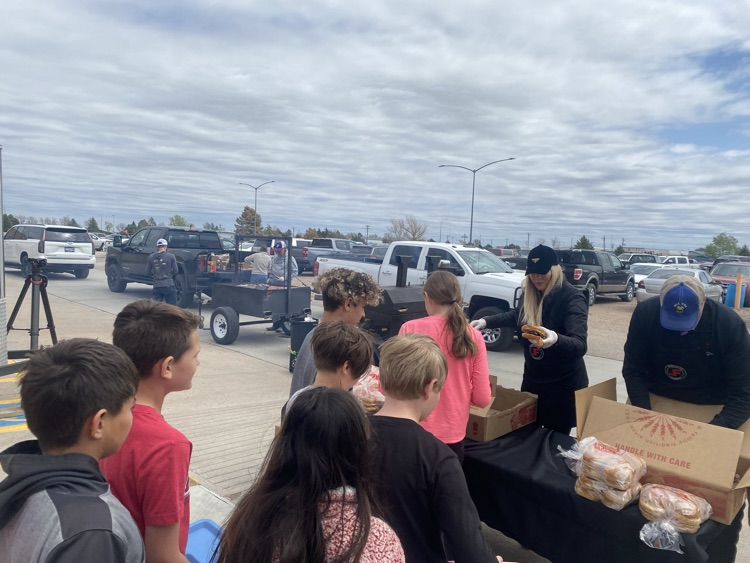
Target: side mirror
117, 240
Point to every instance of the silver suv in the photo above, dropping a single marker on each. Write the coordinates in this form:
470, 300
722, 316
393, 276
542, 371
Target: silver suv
66, 249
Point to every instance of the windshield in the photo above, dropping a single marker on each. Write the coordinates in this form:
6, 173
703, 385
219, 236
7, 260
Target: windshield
731, 270
664, 273
643, 268
484, 262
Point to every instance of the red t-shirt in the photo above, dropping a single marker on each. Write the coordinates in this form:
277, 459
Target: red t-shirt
149, 473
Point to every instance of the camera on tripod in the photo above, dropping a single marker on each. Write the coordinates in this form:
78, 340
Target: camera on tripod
36, 265
32, 271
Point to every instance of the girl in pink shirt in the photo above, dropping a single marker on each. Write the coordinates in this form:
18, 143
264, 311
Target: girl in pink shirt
468, 381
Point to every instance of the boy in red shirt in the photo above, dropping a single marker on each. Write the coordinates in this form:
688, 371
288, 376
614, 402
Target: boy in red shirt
149, 474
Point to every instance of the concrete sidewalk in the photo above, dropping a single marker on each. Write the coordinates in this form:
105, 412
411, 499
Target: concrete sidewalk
237, 395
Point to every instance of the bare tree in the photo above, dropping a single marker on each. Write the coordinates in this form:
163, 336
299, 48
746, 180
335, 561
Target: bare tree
408, 228
555, 242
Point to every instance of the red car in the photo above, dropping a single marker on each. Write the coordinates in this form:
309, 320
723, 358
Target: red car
726, 273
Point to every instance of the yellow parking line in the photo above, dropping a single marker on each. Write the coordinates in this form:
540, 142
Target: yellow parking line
13, 428
10, 401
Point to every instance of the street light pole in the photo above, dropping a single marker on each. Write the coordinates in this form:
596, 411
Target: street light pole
473, 183
255, 205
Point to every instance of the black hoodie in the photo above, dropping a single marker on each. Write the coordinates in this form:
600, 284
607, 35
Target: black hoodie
60, 507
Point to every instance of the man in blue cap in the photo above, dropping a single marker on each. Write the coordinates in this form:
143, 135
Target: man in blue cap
686, 348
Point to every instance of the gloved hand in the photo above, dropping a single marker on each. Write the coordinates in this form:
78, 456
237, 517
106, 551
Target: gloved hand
479, 324
551, 339
539, 336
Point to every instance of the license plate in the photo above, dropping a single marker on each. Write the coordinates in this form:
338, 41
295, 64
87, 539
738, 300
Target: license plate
69, 249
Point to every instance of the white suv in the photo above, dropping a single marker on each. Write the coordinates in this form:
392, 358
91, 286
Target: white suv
66, 249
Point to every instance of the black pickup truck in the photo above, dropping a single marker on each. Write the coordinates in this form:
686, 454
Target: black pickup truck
599, 272
126, 261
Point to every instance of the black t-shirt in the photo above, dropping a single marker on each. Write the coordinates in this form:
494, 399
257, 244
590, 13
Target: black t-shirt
422, 491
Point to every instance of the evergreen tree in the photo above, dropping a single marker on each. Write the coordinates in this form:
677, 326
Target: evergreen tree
584, 243
9, 221
91, 225
245, 223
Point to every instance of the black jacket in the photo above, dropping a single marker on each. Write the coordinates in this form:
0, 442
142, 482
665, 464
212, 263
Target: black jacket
708, 365
59, 507
566, 312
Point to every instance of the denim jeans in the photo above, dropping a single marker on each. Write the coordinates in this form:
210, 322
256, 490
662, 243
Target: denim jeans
167, 294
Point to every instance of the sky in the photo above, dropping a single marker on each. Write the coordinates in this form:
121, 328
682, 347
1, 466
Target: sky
628, 121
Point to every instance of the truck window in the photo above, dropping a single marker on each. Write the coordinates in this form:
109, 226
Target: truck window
404, 249
321, 243
442, 254
153, 236
138, 239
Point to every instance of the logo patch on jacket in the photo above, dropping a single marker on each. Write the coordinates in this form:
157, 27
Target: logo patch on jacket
536, 352
675, 373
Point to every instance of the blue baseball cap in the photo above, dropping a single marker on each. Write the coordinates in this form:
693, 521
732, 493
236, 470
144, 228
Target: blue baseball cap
680, 309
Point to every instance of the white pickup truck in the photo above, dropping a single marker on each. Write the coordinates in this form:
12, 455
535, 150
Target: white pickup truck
681, 261
488, 284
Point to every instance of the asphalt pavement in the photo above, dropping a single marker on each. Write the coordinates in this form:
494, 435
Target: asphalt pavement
237, 394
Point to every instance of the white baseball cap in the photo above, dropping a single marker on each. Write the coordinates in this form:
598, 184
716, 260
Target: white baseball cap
161, 242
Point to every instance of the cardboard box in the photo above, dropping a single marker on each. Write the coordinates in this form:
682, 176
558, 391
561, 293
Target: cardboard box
680, 451
508, 411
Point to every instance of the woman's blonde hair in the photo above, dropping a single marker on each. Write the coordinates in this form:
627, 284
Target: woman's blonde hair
444, 289
531, 307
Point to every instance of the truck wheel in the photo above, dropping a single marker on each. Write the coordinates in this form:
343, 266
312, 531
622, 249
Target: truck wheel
591, 288
81, 274
185, 297
286, 326
629, 292
225, 325
495, 339
114, 279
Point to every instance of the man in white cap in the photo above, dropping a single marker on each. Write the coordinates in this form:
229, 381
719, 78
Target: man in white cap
162, 267
278, 272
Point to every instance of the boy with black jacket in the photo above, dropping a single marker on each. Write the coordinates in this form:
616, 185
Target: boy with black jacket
55, 505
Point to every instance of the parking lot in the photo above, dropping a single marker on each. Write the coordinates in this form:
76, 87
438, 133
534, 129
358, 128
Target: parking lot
238, 391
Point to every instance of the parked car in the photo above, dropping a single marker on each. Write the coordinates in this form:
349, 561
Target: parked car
726, 273
641, 270
650, 286
65, 249
516, 262
598, 272
98, 240
731, 258
634, 258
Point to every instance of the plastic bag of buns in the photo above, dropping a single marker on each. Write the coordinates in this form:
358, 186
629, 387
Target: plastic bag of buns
659, 502
367, 390
609, 497
612, 466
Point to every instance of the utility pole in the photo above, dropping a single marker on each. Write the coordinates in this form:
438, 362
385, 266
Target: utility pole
528, 236
604, 242
367, 236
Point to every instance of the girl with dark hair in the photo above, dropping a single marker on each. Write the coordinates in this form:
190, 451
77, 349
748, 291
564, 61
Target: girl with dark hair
313, 501
468, 381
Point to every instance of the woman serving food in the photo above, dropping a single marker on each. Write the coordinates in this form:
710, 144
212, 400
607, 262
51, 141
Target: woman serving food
553, 317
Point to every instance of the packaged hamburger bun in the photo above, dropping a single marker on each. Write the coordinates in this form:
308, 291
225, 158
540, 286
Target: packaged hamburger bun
685, 510
613, 466
609, 497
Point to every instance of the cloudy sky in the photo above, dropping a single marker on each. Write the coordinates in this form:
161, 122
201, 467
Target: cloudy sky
627, 120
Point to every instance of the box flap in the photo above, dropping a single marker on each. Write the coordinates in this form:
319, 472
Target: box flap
605, 389
480, 411
701, 413
669, 444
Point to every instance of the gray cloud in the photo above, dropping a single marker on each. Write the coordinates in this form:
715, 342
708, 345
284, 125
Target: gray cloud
136, 110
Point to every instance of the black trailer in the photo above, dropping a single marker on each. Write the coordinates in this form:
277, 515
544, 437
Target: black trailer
276, 305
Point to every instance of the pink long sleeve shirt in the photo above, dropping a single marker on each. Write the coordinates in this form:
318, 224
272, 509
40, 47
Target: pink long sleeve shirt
468, 381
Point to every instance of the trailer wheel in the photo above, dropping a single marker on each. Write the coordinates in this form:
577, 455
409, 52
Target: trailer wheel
495, 339
225, 325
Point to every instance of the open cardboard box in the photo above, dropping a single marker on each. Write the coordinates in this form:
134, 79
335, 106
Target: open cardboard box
681, 449
508, 411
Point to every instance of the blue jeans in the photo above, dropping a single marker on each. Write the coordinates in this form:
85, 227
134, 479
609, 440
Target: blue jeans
258, 278
167, 294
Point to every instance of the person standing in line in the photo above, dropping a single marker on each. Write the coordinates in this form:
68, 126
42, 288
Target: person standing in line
553, 368
162, 267
55, 504
419, 481
279, 265
345, 294
260, 264
149, 474
313, 500
468, 381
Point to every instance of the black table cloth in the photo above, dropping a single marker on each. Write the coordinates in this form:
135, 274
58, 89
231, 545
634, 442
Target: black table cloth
522, 488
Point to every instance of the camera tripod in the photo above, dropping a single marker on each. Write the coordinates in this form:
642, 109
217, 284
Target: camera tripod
38, 284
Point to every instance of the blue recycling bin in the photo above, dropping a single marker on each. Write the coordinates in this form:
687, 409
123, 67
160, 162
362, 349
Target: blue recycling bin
731, 291
203, 537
